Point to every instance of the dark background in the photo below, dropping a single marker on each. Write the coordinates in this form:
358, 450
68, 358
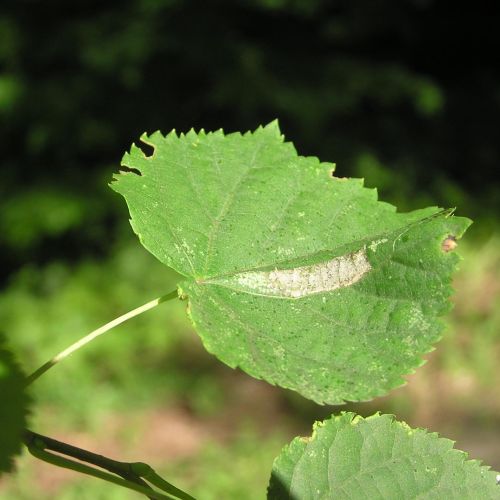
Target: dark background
405, 94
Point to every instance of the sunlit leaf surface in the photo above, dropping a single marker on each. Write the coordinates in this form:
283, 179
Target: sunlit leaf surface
349, 457
298, 277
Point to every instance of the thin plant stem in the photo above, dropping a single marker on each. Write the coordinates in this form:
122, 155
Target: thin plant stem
164, 485
135, 472
96, 333
66, 463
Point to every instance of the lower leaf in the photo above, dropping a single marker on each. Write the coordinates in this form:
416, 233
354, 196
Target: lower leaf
378, 457
13, 408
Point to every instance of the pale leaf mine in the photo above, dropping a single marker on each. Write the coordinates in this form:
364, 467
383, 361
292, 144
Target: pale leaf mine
300, 281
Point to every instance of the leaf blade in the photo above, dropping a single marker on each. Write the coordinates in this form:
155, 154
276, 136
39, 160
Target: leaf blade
272, 279
378, 457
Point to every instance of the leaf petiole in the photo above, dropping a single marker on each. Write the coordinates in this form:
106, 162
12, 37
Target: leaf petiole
131, 475
96, 333
66, 463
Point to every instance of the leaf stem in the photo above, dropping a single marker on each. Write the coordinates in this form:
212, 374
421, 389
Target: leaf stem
65, 463
132, 475
96, 333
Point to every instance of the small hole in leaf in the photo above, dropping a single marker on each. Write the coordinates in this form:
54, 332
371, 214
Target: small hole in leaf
131, 170
449, 244
146, 149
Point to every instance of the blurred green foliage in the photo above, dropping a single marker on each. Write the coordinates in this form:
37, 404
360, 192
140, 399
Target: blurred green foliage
403, 94
47, 309
472, 346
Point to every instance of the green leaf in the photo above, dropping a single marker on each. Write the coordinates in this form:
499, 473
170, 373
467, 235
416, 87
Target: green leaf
295, 276
13, 408
377, 458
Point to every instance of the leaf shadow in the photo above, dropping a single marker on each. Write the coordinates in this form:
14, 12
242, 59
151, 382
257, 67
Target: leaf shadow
277, 489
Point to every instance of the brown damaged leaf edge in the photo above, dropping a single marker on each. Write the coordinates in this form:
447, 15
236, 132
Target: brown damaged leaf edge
449, 244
